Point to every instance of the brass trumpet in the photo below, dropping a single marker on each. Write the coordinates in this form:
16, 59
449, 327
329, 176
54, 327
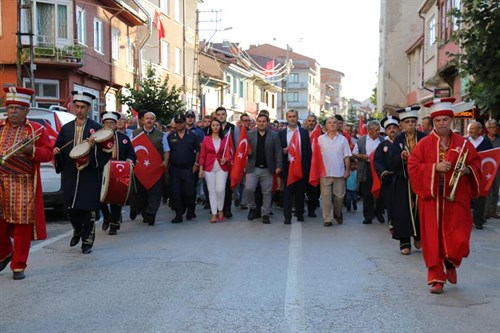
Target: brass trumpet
457, 172
9, 152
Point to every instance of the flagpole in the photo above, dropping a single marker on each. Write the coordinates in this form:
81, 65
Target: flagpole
227, 141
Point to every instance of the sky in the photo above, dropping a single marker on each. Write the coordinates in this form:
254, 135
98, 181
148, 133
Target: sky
340, 34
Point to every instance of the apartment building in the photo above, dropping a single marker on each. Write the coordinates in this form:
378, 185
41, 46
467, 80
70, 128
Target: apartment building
301, 86
416, 61
331, 90
76, 45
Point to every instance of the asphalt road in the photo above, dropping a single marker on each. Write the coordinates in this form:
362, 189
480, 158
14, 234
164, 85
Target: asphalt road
240, 276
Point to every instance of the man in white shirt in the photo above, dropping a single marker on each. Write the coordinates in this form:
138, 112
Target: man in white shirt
336, 152
362, 150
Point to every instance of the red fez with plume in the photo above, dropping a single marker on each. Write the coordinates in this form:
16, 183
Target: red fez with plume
18, 96
441, 107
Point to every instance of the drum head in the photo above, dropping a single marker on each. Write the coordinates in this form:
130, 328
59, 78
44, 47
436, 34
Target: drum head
80, 150
105, 181
103, 134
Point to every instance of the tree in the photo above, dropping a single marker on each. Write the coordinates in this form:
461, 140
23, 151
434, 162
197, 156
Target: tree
156, 97
352, 115
479, 59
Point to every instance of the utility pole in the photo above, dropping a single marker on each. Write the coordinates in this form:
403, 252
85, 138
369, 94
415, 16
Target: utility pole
24, 7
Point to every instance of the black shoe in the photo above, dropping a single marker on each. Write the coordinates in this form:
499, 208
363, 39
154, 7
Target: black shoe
228, 215
300, 218
5, 262
237, 202
18, 275
105, 224
112, 231
311, 214
243, 207
367, 222
177, 219
265, 219
288, 221
74, 240
133, 214
86, 249
206, 206
251, 214
380, 218
479, 227
190, 216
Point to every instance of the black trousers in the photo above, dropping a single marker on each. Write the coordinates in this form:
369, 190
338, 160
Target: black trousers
111, 212
478, 207
83, 222
371, 206
145, 201
313, 193
294, 194
182, 190
228, 199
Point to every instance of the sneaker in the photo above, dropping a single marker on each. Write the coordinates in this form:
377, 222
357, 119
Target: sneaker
265, 219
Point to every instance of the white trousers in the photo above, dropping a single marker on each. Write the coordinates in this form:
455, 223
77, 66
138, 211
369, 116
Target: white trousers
216, 184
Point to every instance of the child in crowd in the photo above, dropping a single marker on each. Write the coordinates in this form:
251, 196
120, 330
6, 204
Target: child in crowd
351, 195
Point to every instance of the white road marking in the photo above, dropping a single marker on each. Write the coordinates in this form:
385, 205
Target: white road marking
294, 300
49, 241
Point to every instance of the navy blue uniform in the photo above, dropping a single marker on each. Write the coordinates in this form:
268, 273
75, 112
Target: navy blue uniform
183, 151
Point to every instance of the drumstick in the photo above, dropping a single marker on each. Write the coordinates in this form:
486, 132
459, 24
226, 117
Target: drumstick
65, 145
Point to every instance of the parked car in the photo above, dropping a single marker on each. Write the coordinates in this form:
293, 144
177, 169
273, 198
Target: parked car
51, 181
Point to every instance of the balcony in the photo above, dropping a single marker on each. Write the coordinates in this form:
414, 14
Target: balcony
70, 55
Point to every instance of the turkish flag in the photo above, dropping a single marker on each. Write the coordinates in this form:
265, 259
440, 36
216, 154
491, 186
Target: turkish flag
148, 168
269, 68
362, 127
376, 185
240, 159
295, 160
490, 159
317, 164
315, 133
51, 132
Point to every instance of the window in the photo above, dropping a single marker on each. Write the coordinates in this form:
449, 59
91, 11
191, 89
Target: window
165, 54
293, 97
98, 35
130, 53
431, 31
51, 22
178, 60
164, 6
293, 78
177, 10
44, 89
115, 44
235, 86
241, 88
81, 26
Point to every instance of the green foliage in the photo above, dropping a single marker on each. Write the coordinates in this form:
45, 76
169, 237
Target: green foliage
156, 97
352, 115
373, 97
478, 39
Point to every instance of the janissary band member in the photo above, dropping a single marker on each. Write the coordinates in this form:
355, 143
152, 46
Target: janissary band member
22, 214
81, 182
445, 222
122, 151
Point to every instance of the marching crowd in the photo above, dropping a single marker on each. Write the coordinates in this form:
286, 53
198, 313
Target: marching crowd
425, 183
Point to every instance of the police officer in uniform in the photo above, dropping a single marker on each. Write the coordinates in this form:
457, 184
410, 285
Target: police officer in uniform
184, 155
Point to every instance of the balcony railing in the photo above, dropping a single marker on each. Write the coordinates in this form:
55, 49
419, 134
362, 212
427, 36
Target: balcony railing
50, 53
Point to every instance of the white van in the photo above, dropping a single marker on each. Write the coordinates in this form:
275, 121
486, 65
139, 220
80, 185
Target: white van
51, 181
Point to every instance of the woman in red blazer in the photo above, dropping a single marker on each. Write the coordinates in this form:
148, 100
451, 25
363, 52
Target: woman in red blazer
215, 168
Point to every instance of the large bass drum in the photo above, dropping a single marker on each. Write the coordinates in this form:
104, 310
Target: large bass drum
116, 182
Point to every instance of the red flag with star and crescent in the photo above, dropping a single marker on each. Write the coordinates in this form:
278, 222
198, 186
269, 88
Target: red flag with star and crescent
228, 152
52, 134
295, 160
361, 126
377, 184
317, 164
490, 159
240, 158
148, 168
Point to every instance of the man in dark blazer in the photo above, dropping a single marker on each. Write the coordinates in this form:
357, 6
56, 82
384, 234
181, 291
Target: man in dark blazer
265, 160
294, 193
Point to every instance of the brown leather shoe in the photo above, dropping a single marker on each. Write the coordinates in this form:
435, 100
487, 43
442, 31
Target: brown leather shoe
436, 288
417, 244
327, 224
339, 220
